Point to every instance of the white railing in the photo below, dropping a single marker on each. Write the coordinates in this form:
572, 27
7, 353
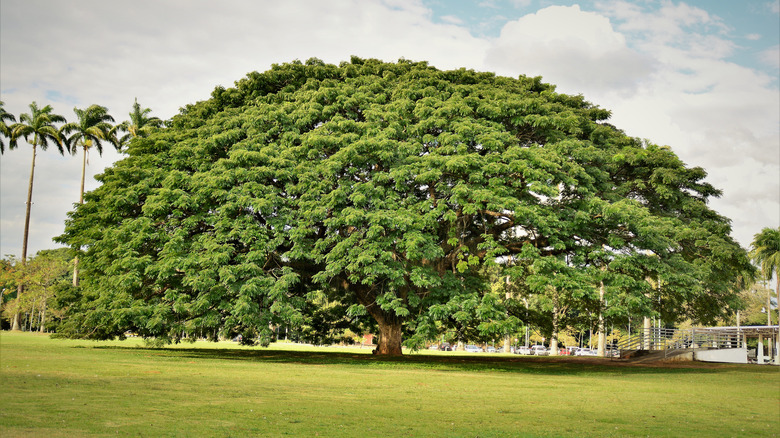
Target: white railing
669, 340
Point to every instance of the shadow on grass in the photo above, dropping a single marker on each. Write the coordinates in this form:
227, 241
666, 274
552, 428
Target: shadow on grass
455, 362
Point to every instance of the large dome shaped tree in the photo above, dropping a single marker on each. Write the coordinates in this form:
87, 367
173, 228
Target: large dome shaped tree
324, 197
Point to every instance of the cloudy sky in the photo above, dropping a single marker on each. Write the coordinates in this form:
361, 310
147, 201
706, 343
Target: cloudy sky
700, 76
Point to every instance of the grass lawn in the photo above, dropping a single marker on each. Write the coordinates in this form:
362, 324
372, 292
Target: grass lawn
67, 388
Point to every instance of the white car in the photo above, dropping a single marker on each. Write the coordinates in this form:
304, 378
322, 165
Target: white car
523, 350
539, 350
585, 352
473, 349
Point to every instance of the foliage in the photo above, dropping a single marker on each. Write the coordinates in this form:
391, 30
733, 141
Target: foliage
93, 127
45, 277
5, 130
9, 279
139, 125
766, 251
388, 187
754, 307
38, 124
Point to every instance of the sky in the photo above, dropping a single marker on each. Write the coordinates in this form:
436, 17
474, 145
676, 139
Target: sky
700, 76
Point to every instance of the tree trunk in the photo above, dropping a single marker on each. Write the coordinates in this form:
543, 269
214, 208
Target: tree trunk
389, 337
76, 271
31, 317
554, 337
508, 338
20, 290
83, 173
778, 296
390, 324
81, 201
646, 328
602, 349
43, 317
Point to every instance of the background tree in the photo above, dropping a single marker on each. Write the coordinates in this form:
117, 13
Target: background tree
139, 125
387, 187
560, 288
37, 128
92, 128
754, 305
765, 253
9, 281
5, 130
42, 275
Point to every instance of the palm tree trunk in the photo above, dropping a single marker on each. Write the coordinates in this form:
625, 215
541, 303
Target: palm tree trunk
81, 201
83, 171
20, 290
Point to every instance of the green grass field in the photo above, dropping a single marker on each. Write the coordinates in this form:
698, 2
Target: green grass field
64, 388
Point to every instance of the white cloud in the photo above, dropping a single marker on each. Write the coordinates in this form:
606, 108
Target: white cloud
575, 49
451, 19
521, 3
771, 57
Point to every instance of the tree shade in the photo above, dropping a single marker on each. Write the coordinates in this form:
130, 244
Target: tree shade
373, 194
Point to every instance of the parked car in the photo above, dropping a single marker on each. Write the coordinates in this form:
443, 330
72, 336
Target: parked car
571, 350
586, 352
539, 350
473, 349
523, 350
491, 349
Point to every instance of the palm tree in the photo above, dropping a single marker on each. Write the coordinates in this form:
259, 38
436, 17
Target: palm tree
140, 124
5, 130
39, 125
766, 253
93, 126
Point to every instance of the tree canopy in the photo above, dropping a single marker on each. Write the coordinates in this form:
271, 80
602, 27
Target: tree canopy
374, 194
